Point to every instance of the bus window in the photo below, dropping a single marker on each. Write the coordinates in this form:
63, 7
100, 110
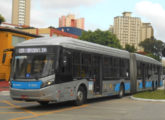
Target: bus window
33, 66
28, 68
107, 68
86, 65
115, 68
139, 70
95, 65
124, 68
66, 62
64, 73
76, 64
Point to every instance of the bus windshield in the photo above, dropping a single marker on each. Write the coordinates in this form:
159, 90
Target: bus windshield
33, 66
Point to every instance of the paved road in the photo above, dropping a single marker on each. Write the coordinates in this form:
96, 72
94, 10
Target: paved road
98, 109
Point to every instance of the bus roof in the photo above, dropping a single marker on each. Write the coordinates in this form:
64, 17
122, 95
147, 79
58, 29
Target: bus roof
76, 44
147, 59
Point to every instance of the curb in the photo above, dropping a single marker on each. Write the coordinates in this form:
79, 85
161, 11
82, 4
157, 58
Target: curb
147, 100
161, 88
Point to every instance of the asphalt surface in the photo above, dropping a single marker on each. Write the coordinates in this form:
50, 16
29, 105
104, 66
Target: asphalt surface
110, 108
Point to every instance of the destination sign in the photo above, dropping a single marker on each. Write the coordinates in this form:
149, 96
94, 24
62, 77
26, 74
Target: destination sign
32, 50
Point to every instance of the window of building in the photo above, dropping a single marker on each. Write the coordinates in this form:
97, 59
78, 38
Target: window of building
17, 39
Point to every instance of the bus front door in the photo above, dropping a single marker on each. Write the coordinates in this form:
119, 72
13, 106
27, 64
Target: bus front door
97, 67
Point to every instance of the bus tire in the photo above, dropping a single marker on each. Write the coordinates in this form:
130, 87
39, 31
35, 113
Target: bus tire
81, 96
121, 91
43, 103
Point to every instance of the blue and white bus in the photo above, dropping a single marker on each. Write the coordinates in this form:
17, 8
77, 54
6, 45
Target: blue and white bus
65, 69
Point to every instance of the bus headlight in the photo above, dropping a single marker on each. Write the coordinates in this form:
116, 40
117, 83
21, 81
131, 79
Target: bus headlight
48, 83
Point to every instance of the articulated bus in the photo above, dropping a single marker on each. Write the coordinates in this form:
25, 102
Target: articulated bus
66, 69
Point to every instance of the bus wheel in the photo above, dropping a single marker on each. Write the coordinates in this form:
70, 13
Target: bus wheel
43, 103
121, 92
81, 96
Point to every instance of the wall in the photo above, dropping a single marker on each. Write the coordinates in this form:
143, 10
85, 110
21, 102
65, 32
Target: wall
6, 43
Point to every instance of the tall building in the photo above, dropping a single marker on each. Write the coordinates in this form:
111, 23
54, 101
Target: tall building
111, 29
21, 12
70, 21
146, 31
128, 29
80, 23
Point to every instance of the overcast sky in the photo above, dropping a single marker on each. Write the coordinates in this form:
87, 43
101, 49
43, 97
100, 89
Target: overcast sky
97, 13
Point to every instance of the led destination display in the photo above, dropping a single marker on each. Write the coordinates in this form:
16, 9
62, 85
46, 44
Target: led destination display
32, 50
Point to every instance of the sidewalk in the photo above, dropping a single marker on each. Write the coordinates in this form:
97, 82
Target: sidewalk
147, 100
161, 88
4, 86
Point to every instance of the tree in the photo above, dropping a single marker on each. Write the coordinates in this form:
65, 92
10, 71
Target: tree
2, 19
153, 47
101, 37
130, 48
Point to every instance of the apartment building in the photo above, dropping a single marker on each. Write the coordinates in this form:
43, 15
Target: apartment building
21, 12
146, 31
70, 21
130, 30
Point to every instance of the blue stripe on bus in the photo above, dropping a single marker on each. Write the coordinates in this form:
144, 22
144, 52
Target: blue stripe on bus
26, 85
127, 86
117, 87
148, 84
140, 85
161, 83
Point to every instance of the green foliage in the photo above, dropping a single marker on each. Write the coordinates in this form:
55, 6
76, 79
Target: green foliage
130, 48
101, 37
159, 94
2, 19
153, 47
153, 56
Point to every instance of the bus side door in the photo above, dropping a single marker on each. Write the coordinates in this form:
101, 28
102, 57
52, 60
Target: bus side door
97, 69
66, 74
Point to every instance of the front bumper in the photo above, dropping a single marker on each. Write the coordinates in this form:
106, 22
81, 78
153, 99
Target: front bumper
44, 94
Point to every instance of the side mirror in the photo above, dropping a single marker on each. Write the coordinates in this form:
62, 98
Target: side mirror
4, 58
